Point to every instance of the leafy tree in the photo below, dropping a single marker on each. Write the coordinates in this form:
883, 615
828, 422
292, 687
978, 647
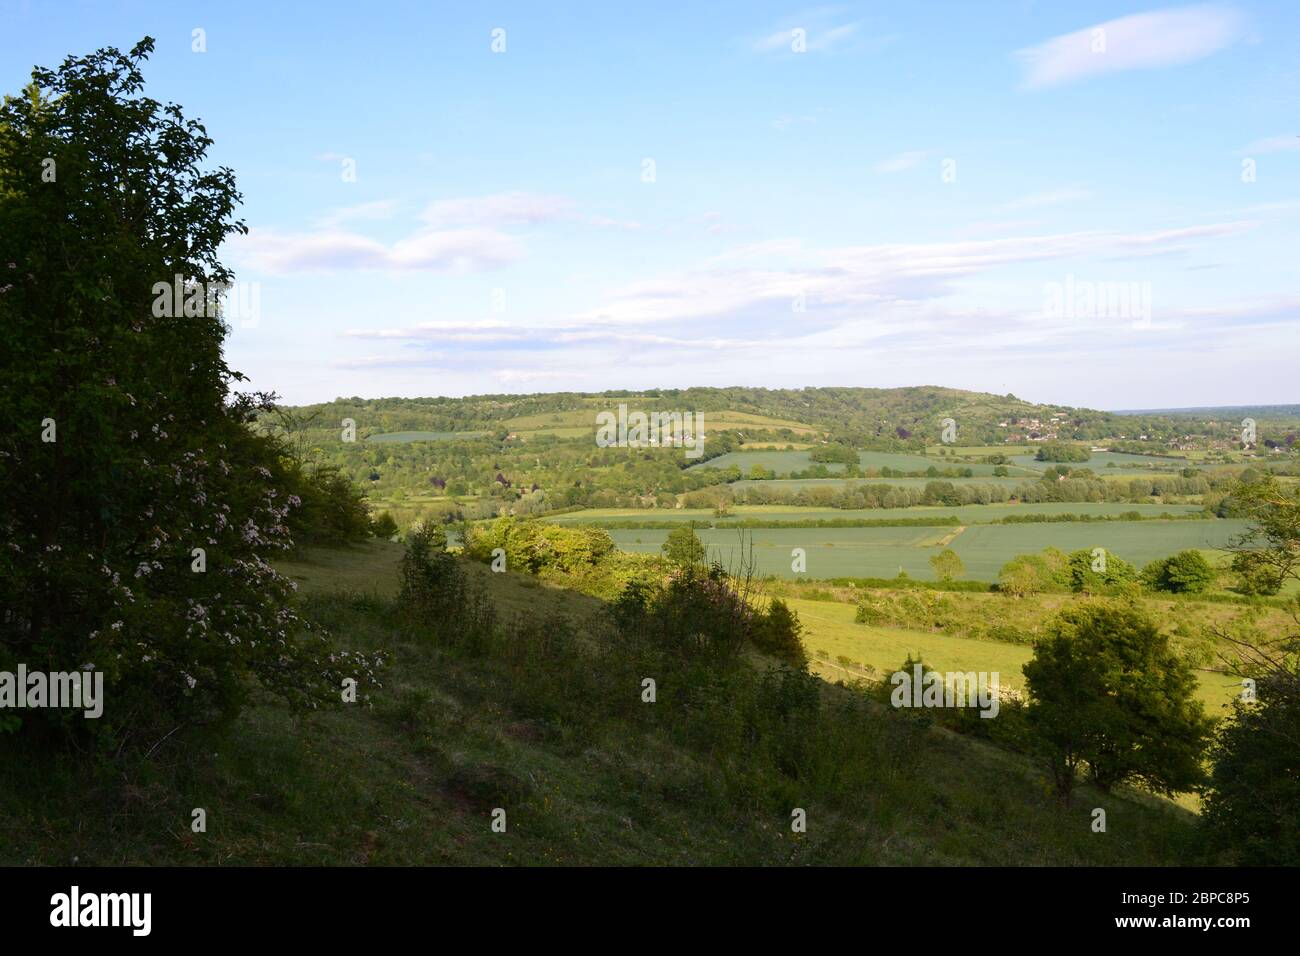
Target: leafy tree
947, 565
1252, 803
1025, 575
1107, 693
683, 547
1059, 451
1268, 553
1092, 573
148, 506
1186, 572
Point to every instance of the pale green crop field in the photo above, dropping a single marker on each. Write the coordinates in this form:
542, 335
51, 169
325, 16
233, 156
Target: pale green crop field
975, 514
801, 484
1101, 459
983, 549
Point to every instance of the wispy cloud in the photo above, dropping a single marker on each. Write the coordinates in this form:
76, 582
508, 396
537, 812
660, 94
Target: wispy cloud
456, 251
819, 30
1053, 197
903, 161
799, 39
367, 211
502, 209
515, 209
1141, 41
1287, 143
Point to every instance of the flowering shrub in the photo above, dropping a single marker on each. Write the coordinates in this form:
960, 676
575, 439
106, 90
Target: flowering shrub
142, 509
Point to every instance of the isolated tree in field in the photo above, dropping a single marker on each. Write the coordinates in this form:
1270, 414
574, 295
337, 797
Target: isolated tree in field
947, 565
683, 547
138, 543
1109, 695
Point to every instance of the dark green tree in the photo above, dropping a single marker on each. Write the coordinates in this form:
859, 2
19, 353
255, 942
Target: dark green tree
1109, 695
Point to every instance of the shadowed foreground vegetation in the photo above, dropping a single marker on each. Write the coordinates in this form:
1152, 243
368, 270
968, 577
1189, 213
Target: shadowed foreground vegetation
536, 707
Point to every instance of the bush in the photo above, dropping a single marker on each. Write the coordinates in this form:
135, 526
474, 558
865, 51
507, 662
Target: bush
778, 633
383, 526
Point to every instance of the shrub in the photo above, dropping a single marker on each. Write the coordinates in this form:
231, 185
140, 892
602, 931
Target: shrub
778, 633
683, 547
383, 526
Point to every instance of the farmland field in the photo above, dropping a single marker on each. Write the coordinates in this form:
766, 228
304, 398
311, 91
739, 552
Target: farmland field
974, 514
785, 462
799, 484
983, 549
829, 627
1102, 459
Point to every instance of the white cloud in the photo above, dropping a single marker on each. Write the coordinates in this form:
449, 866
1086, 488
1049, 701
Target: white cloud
903, 161
1288, 143
739, 283
332, 250
1141, 41
371, 211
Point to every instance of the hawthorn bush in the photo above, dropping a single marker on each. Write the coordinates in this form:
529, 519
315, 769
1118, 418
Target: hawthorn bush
142, 508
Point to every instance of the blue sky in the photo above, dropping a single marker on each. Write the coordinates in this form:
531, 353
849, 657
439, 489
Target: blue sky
1087, 203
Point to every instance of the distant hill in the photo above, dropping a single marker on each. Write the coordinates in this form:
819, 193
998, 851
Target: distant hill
1221, 411
855, 415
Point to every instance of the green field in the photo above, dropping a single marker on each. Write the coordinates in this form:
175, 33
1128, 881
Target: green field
983, 549
829, 627
802, 484
971, 514
1101, 459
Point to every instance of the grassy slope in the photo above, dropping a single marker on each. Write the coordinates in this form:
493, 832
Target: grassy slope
412, 779
829, 627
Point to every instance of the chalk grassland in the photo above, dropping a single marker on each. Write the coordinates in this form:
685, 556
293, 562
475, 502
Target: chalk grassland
967, 514
983, 549
412, 777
